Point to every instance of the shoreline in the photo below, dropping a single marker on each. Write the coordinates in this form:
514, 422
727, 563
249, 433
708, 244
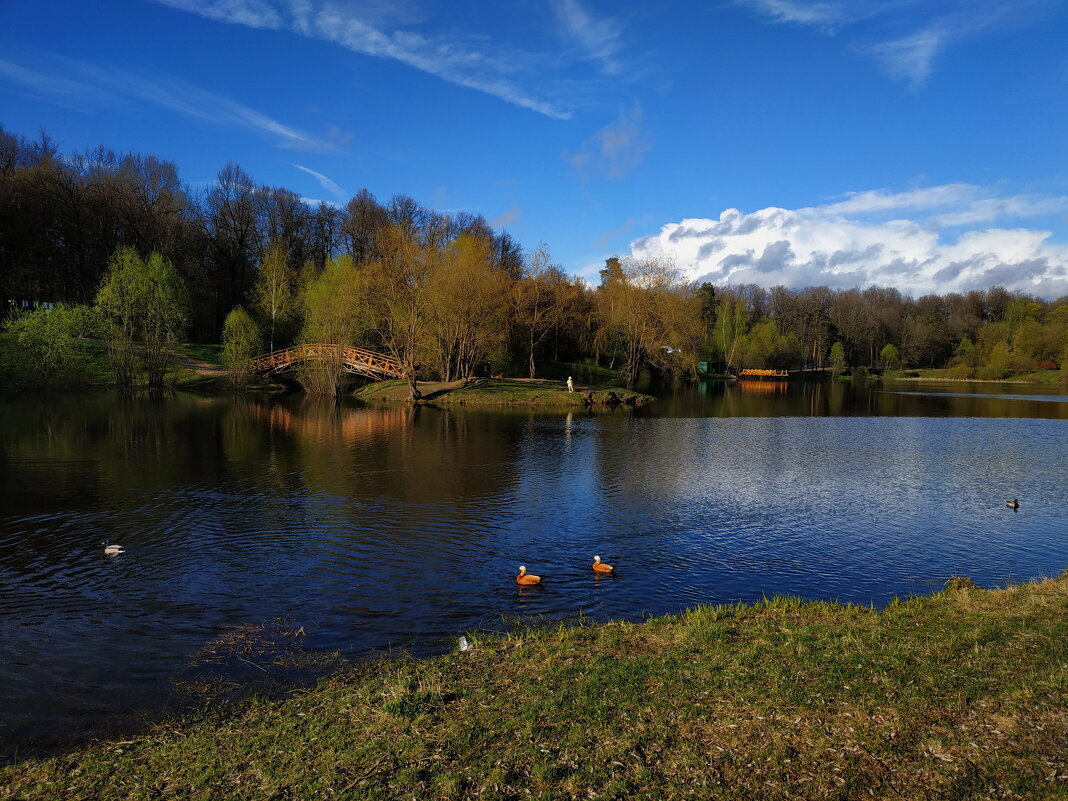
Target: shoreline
511, 392
959, 693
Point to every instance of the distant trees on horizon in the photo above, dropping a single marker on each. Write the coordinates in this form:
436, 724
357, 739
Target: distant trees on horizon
446, 294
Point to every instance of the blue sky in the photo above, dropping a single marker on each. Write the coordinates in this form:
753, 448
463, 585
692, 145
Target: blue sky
911, 143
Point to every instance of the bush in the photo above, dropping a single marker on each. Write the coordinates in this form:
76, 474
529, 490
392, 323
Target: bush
46, 347
993, 372
962, 372
241, 341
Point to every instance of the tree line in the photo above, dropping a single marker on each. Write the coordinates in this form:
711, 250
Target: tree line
140, 259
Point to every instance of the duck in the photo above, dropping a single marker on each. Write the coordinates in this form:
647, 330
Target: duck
601, 567
525, 579
1013, 504
112, 550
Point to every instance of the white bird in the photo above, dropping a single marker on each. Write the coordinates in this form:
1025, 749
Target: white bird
464, 644
112, 550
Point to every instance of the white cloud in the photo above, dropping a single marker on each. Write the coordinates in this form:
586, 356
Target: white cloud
910, 57
348, 26
614, 150
325, 182
599, 37
851, 246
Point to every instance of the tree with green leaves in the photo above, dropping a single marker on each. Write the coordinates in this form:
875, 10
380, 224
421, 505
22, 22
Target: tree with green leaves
241, 341
336, 313
889, 357
273, 290
838, 358
146, 307
656, 315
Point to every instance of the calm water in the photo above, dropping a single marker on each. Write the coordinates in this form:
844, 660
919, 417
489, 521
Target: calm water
376, 529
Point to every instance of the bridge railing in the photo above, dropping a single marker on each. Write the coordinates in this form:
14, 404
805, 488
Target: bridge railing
756, 373
352, 359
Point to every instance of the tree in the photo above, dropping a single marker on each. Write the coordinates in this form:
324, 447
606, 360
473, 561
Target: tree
144, 302
335, 312
241, 341
469, 298
889, 357
732, 322
539, 301
965, 353
398, 295
273, 290
656, 313
838, 358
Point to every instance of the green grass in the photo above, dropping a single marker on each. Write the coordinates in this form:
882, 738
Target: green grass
1052, 377
210, 354
497, 392
960, 695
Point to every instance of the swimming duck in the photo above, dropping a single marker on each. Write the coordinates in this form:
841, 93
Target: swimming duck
112, 550
1013, 504
526, 580
601, 567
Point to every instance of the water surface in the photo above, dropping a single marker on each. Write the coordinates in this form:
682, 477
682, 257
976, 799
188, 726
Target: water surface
374, 529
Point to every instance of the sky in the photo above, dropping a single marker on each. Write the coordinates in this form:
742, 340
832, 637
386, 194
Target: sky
920, 144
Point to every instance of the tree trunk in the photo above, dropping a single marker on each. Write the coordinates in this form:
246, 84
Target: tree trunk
413, 390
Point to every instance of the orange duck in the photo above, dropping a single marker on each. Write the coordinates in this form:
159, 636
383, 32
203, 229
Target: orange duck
601, 567
526, 580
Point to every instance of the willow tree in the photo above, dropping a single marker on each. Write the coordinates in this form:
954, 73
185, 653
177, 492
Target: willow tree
656, 313
146, 306
334, 313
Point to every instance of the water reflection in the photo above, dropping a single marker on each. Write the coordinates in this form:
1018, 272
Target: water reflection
373, 528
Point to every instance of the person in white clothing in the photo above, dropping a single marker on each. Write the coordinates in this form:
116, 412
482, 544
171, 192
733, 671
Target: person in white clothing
570, 386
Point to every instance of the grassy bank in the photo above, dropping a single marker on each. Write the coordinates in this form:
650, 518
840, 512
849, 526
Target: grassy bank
1047, 377
963, 694
500, 392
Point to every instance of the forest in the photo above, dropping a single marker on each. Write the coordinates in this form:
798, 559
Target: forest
117, 247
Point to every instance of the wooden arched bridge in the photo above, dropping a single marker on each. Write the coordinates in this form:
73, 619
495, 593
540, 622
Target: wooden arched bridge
353, 360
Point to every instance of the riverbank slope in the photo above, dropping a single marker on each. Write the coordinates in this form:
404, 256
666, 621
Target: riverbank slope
963, 694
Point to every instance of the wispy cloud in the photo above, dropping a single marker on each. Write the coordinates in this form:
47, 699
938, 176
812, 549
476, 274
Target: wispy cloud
912, 240
69, 93
349, 27
879, 200
325, 182
877, 26
614, 150
86, 86
801, 12
608, 236
601, 38
507, 218
909, 57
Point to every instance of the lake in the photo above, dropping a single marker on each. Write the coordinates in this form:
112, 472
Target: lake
264, 535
